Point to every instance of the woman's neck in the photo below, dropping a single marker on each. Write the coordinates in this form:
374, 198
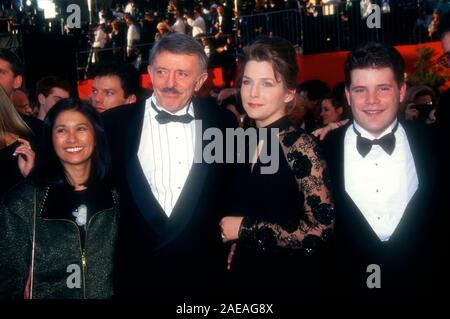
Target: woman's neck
78, 175
269, 122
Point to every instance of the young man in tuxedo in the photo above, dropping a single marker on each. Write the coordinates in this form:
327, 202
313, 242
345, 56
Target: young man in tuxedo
169, 239
384, 183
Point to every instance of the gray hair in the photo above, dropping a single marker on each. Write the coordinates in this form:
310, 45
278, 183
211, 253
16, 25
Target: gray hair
179, 43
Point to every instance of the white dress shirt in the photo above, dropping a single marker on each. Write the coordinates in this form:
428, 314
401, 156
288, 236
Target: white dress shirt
381, 185
100, 38
133, 37
220, 20
130, 9
166, 154
198, 26
179, 26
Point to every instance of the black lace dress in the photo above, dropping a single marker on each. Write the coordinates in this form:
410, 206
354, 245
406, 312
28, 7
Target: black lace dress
284, 234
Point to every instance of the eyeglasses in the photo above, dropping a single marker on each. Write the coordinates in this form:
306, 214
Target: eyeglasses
444, 60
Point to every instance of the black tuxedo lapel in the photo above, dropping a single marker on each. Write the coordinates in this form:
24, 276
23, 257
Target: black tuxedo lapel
335, 156
421, 144
186, 204
418, 208
140, 189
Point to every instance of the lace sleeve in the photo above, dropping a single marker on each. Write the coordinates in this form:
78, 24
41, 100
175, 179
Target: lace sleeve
314, 229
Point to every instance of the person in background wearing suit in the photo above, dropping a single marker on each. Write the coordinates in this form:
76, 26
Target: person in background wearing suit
115, 84
169, 237
384, 184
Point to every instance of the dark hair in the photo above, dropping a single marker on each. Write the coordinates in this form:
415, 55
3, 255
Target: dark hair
128, 16
337, 103
13, 60
49, 170
235, 100
315, 89
416, 91
277, 51
334, 102
375, 55
48, 83
338, 93
127, 74
444, 25
178, 43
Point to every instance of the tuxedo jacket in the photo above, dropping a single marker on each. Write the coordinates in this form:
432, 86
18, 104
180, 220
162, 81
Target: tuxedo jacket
160, 256
409, 259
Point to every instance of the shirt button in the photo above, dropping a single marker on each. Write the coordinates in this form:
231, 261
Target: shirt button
179, 187
376, 164
377, 190
378, 218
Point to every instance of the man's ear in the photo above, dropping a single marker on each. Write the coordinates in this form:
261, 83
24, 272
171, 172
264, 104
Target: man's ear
149, 70
131, 99
347, 95
41, 98
202, 78
402, 92
18, 82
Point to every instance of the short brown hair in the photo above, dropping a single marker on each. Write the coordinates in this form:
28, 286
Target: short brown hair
48, 83
375, 55
278, 52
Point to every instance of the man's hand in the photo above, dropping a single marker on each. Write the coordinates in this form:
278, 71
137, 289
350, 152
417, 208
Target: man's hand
226, 93
411, 113
321, 133
229, 226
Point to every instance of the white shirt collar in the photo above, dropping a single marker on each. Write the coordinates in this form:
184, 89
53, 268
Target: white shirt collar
368, 135
189, 107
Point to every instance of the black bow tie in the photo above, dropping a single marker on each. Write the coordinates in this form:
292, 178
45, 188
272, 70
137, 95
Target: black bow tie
387, 142
164, 117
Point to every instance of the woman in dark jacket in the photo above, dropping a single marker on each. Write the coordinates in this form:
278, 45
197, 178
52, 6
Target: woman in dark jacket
58, 230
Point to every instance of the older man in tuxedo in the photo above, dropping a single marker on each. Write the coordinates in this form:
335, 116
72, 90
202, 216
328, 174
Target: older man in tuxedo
169, 239
384, 185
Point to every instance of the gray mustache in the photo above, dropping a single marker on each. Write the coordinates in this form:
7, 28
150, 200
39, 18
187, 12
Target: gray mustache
170, 90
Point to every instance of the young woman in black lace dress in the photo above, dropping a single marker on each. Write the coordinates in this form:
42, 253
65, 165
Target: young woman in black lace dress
281, 222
